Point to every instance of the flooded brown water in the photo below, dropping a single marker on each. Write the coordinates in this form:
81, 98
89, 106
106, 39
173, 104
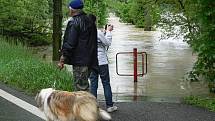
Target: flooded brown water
168, 62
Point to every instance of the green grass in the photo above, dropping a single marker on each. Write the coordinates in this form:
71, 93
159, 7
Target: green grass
208, 103
19, 68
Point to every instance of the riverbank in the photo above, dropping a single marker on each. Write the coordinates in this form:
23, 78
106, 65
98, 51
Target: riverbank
21, 69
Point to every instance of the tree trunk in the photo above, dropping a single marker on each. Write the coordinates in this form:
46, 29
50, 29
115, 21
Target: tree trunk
147, 21
57, 25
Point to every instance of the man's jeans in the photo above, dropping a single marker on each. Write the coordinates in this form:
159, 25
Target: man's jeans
105, 78
81, 74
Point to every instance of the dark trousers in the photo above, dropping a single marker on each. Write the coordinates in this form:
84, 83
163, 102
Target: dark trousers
103, 72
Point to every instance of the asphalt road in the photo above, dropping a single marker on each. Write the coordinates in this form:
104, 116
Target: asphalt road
128, 111
11, 112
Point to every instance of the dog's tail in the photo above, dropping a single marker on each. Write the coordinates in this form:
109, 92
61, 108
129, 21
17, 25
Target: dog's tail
104, 115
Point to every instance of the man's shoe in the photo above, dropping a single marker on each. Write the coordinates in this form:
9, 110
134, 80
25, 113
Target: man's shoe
112, 109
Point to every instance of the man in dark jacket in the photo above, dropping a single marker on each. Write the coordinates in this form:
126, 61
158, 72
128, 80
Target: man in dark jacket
79, 45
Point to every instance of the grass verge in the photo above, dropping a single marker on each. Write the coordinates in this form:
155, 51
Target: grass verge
19, 68
208, 103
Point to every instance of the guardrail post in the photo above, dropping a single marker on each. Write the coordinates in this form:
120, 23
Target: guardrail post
135, 64
144, 63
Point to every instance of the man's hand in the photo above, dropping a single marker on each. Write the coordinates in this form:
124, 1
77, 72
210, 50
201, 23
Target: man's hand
61, 63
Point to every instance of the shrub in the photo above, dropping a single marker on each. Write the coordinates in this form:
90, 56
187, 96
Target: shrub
208, 103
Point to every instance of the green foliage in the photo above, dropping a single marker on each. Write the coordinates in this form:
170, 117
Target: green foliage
98, 8
141, 13
201, 13
208, 103
65, 9
122, 10
137, 12
31, 20
22, 70
25, 19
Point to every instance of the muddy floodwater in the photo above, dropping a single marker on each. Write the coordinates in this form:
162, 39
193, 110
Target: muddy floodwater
168, 62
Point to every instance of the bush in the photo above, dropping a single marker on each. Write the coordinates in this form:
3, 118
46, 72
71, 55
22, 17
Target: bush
25, 19
208, 103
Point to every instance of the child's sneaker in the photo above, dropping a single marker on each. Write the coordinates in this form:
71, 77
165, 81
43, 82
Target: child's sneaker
112, 109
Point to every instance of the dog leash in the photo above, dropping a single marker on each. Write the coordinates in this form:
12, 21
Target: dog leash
54, 84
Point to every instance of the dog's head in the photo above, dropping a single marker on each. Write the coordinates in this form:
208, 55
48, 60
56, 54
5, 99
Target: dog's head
42, 96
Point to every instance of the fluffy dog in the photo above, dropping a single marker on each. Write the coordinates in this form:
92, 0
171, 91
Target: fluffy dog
69, 106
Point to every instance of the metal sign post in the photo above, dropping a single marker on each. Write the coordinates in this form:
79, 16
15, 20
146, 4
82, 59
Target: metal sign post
135, 63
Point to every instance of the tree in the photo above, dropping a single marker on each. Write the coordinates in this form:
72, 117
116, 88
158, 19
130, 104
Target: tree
25, 19
141, 13
98, 8
57, 31
201, 37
